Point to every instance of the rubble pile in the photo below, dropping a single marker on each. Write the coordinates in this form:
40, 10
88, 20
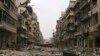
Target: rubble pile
14, 53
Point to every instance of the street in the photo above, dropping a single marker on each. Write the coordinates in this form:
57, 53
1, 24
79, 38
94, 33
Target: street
49, 27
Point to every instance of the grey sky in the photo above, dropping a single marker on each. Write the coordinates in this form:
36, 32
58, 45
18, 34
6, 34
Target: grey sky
48, 12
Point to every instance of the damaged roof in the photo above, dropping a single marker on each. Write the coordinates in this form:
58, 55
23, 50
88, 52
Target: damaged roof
30, 10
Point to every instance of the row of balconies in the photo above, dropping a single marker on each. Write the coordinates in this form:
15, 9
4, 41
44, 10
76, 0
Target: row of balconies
90, 29
31, 34
94, 10
69, 19
29, 27
88, 15
86, 25
84, 17
8, 27
7, 22
8, 11
84, 3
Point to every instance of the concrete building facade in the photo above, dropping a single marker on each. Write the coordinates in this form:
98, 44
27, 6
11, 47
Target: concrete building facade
8, 23
28, 30
77, 29
19, 26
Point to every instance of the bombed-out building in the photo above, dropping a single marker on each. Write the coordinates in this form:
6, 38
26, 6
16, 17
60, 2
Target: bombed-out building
78, 28
8, 23
19, 26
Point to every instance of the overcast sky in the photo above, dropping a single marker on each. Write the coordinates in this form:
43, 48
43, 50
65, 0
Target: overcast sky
48, 12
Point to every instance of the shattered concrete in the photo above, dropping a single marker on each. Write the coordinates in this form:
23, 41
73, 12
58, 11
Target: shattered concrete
14, 53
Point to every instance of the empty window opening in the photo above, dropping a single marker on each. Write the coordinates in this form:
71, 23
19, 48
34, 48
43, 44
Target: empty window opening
97, 42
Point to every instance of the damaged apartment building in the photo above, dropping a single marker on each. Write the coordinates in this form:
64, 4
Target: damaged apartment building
28, 27
78, 28
18, 24
8, 23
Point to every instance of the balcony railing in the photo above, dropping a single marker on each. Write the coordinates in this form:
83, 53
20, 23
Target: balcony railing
84, 2
8, 11
23, 27
23, 35
78, 33
72, 21
94, 9
10, 5
70, 14
90, 13
93, 28
8, 27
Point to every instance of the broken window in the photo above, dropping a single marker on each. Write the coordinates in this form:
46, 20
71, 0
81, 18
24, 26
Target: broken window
9, 4
96, 18
97, 42
4, 17
3, 38
7, 18
34, 28
30, 29
90, 43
